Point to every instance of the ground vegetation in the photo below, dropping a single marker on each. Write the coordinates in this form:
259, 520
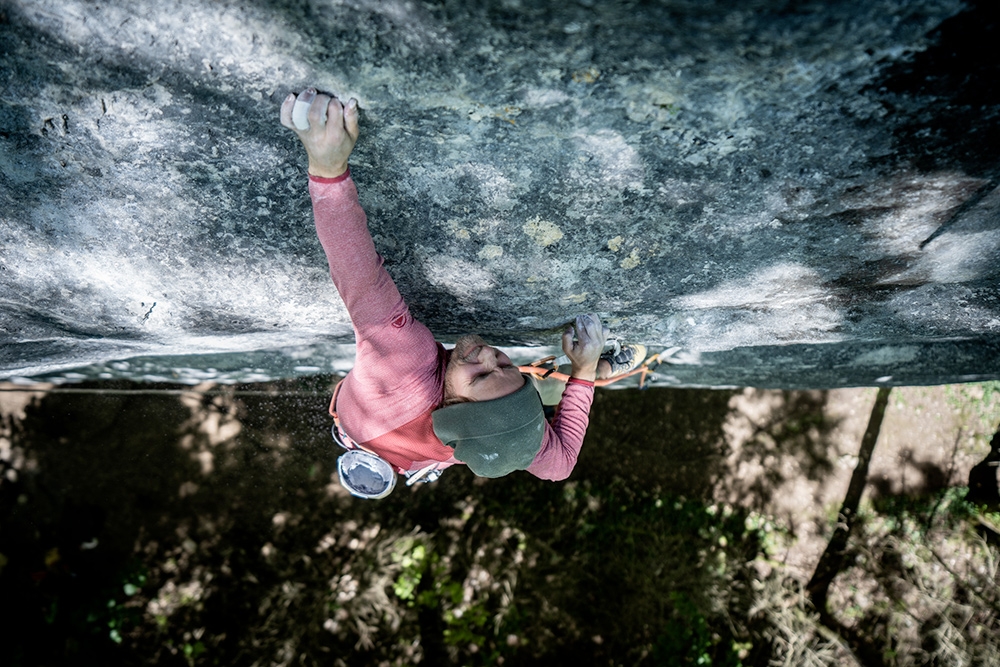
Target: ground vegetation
203, 526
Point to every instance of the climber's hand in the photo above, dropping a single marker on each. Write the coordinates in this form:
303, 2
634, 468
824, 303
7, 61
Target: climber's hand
332, 131
585, 351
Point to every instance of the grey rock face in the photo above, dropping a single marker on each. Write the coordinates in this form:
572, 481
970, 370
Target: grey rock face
792, 193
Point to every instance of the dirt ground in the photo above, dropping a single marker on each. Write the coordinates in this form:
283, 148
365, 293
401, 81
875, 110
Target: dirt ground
239, 481
930, 438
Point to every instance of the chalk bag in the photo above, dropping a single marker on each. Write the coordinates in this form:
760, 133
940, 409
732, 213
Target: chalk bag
366, 475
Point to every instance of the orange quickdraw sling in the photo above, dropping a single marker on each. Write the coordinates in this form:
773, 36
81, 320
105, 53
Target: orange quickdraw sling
543, 369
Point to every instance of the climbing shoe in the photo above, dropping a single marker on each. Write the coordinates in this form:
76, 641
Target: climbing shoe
624, 358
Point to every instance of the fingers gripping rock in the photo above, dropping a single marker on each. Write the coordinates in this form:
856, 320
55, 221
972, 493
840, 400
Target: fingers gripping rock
300, 112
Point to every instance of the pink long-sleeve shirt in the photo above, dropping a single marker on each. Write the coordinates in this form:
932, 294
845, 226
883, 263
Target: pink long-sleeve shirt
386, 400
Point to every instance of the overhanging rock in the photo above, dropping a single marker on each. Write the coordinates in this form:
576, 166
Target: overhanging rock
792, 194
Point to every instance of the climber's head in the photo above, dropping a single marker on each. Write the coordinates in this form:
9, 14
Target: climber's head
490, 414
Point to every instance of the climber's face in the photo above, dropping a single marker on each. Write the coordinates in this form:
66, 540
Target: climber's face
479, 372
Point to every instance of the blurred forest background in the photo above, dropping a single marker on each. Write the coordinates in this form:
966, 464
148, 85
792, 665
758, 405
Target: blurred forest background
169, 525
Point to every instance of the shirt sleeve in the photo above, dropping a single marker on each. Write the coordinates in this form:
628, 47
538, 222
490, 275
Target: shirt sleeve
564, 437
395, 352
356, 268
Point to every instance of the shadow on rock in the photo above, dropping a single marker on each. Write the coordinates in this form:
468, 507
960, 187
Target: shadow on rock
954, 82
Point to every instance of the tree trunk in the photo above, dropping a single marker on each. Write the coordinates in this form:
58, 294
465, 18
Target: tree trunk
832, 560
983, 478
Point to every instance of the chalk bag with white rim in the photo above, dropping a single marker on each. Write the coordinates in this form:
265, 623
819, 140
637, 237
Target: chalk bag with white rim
366, 475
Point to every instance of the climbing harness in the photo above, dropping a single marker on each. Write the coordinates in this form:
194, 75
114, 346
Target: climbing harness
364, 473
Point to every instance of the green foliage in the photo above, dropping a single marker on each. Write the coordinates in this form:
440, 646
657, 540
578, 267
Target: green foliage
192, 651
464, 624
687, 639
677, 567
920, 588
911, 515
110, 613
466, 628
687, 557
411, 556
978, 402
607, 569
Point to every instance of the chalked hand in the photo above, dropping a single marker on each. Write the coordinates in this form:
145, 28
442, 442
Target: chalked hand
585, 347
328, 130
300, 111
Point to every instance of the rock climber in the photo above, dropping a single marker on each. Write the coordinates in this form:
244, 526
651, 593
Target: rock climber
410, 405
